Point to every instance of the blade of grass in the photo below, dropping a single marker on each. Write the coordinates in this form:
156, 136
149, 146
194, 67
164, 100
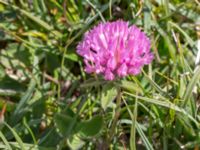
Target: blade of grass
166, 77
171, 47
191, 86
110, 8
190, 41
97, 10
30, 131
25, 98
133, 132
43, 6
137, 126
5, 141
18, 139
104, 8
34, 18
36, 6
166, 104
197, 61
133, 125
156, 86
143, 136
31, 146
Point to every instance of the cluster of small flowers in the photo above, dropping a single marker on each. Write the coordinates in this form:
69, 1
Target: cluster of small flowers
115, 49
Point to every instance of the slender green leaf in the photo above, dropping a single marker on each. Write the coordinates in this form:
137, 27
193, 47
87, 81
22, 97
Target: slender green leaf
165, 103
144, 138
3, 138
191, 85
17, 137
34, 18
24, 99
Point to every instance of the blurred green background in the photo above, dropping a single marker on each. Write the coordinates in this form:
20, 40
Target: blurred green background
48, 102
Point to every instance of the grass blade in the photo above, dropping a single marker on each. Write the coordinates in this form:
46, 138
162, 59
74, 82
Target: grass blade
166, 104
191, 86
144, 138
18, 139
33, 18
5, 141
25, 98
156, 86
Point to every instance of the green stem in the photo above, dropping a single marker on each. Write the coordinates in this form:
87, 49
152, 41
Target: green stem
133, 131
117, 114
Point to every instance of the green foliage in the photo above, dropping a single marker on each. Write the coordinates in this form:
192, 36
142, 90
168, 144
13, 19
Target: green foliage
109, 93
51, 103
91, 127
65, 124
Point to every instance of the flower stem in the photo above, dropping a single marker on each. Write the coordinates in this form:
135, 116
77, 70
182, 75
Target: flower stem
117, 114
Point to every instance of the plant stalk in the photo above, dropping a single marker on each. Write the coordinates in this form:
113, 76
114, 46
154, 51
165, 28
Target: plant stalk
117, 114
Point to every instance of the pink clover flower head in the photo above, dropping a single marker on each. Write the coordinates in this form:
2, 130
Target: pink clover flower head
115, 49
